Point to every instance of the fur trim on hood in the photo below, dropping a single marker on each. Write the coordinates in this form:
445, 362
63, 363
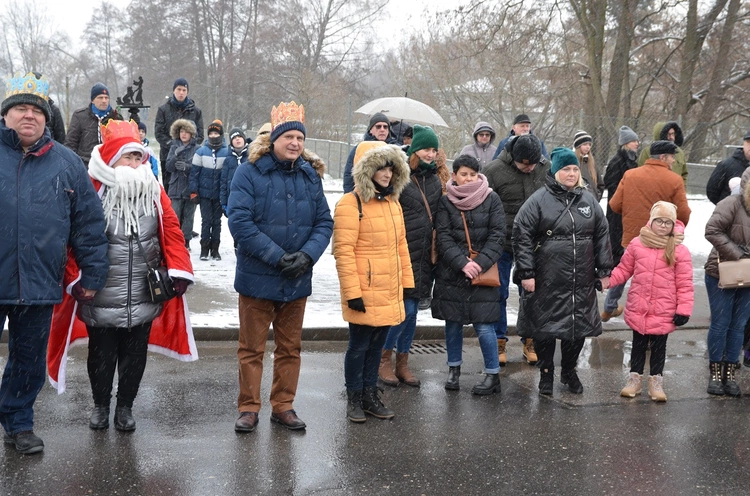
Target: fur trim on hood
662, 128
178, 125
364, 170
262, 146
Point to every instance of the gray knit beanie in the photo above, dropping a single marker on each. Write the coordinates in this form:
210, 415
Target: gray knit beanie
626, 136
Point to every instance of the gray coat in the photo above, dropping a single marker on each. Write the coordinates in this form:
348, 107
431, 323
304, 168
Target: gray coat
125, 300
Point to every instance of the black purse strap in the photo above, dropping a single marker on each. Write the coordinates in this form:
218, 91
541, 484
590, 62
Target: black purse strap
140, 247
554, 226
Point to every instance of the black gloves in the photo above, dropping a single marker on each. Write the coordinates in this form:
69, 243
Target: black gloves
180, 285
680, 320
194, 198
598, 285
293, 265
357, 304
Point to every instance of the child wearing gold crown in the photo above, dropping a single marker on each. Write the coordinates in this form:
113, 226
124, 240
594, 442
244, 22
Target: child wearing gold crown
121, 320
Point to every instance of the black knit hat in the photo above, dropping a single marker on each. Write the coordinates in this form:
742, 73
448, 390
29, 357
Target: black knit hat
379, 117
142, 127
31, 89
580, 138
98, 89
234, 132
180, 82
216, 126
525, 149
662, 147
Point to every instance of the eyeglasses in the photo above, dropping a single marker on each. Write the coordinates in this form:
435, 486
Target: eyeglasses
663, 222
381, 126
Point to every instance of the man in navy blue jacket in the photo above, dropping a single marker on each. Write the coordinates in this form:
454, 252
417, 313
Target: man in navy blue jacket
281, 223
48, 205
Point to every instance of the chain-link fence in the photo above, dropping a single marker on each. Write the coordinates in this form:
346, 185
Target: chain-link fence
333, 153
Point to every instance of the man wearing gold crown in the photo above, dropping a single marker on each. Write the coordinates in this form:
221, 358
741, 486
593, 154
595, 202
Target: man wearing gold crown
49, 209
280, 220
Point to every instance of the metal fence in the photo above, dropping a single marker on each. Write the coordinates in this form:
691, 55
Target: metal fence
333, 153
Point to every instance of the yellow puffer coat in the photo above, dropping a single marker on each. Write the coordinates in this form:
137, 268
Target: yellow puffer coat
372, 257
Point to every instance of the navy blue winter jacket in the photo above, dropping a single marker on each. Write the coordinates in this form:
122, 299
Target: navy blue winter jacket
348, 180
272, 210
227, 173
48, 203
205, 174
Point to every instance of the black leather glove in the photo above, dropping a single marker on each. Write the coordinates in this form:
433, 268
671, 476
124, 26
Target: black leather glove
180, 285
293, 265
598, 285
357, 304
680, 320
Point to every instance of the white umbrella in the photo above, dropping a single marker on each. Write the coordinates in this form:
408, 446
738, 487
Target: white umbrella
399, 107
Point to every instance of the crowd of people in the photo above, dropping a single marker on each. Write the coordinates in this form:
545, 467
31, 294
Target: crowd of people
98, 249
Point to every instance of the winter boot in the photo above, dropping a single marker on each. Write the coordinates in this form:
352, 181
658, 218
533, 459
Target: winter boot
215, 250
501, 355
746, 358
371, 404
402, 370
385, 372
124, 420
99, 417
204, 249
453, 374
729, 378
490, 384
187, 244
656, 388
570, 378
633, 386
546, 381
528, 352
715, 385
614, 313
354, 406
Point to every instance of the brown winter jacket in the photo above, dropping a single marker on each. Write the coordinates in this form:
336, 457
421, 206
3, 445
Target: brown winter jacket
372, 256
638, 191
728, 228
83, 131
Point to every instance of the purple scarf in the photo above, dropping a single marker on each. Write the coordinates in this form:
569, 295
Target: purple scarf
469, 195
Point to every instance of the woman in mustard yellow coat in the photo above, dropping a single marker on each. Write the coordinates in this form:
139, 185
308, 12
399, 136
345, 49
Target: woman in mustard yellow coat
372, 259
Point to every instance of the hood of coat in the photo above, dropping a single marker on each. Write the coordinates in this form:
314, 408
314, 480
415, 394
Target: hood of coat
662, 128
180, 124
364, 170
483, 126
262, 146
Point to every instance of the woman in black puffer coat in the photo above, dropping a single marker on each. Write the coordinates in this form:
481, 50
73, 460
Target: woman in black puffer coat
561, 244
424, 189
456, 301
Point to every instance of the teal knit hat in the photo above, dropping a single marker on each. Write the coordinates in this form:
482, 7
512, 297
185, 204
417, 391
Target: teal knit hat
562, 157
424, 137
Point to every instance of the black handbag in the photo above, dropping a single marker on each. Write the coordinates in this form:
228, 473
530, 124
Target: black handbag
159, 283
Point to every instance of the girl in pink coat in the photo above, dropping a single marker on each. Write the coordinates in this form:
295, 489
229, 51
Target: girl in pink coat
660, 296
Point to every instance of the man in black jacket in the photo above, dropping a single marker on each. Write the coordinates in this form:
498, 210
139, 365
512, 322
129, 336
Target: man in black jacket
83, 132
379, 130
179, 106
717, 187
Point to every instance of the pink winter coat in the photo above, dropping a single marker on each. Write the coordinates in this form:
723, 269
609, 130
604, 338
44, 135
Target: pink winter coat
657, 291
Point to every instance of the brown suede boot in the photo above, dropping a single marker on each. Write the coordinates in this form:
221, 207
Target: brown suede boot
501, 355
385, 372
402, 370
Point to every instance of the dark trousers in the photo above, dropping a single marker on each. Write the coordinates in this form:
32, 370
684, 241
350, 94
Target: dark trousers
545, 351
121, 348
658, 353
362, 357
210, 221
28, 332
165, 174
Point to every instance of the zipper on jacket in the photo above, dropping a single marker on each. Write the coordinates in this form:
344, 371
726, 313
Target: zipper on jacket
572, 219
130, 280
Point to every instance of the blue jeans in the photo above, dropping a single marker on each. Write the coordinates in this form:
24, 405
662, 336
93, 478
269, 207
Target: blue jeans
210, 220
402, 335
362, 357
454, 338
730, 310
503, 266
613, 296
26, 370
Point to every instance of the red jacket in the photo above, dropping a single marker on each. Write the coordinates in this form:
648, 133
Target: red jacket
171, 332
657, 291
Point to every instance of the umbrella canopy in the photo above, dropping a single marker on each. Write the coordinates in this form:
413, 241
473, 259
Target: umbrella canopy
403, 108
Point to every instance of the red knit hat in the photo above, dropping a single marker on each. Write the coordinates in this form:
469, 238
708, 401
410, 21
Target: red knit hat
118, 138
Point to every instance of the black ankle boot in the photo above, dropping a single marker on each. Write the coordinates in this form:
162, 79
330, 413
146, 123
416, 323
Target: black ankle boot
715, 385
124, 420
490, 384
204, 249
215, 250
371, 404
451, 384
354, 406
99, 417
546, 381
570, 378
729, 378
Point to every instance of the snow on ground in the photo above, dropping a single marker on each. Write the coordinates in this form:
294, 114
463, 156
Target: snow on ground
324, 306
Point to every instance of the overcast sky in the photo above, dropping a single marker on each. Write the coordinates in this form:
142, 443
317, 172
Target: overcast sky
402, 16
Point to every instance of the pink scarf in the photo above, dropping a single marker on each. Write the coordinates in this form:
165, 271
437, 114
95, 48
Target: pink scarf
469, 195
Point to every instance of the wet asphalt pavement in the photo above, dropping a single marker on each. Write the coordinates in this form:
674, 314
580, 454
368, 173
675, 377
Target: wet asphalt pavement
440, 442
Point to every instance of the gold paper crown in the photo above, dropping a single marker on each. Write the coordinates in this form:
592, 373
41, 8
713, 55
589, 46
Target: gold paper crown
120, 129
287, 112
28, 84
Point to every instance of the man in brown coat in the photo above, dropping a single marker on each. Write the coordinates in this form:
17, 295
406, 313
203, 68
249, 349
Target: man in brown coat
640, 188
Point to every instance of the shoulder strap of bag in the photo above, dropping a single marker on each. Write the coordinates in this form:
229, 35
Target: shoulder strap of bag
466, 231
359, 204
554, 226
140, 247
424, 198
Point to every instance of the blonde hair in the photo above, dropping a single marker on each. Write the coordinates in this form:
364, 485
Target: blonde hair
581, 182
591, 166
